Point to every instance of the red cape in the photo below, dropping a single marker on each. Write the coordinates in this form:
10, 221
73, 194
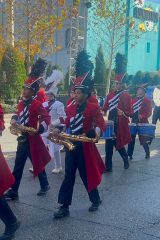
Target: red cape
6, 177
145, 110
39, 153
123, 132
93, 161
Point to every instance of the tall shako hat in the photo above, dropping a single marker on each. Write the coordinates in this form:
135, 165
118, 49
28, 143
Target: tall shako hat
120, 78
84, 69
53, 81
85, 83
35, 75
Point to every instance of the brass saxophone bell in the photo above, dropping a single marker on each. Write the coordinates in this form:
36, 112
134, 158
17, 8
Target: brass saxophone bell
61, 141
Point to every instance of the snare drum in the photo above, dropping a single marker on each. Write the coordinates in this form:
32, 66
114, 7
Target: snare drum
109, 132
133, 129
145, 129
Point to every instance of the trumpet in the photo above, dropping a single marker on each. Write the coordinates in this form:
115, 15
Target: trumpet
17, 129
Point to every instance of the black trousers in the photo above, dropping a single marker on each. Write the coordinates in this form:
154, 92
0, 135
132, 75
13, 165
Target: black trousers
132, 145
109, 145
156, 115
75, 160
6, 214
23, 152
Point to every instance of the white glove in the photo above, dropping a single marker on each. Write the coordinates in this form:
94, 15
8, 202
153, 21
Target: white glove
98, 132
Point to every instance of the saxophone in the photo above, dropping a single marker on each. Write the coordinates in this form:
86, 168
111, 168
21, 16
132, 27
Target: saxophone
60, 141
17, 129
76, 138
64, 139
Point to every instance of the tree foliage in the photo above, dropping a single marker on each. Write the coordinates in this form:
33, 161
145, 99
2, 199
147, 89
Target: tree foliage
107, 25
143, 78
2, 47
35, 23
120, 63
83, 64
13, 74
100, 72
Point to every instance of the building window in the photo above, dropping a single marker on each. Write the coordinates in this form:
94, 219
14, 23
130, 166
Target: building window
148, 48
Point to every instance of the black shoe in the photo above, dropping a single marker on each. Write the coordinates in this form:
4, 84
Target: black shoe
10, 231
126, 164
94, 207
130, 157
62, 212
108, 170
147, 156
11, 195
43, 191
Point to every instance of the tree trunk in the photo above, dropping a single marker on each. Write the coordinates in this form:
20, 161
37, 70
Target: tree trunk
110, 67
111, 54
109, 78
28, 39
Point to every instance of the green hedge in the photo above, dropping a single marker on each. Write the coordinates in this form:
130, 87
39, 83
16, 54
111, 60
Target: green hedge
8, 108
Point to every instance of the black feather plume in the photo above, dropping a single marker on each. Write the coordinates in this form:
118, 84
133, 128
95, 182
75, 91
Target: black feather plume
38, 68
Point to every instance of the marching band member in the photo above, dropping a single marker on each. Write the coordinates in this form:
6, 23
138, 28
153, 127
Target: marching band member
58, 115
31, 113
85, 119
50, 84
118, 103
141, 111
156, 111
6, 180
41, 97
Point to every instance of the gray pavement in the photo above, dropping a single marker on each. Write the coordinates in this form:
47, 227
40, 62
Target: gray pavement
130, 208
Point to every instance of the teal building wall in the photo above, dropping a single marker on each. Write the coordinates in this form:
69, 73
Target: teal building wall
144, 56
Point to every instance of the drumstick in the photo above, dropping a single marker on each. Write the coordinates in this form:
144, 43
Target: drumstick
123, 113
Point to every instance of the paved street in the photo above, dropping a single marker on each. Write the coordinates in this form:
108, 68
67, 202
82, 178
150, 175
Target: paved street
130, 208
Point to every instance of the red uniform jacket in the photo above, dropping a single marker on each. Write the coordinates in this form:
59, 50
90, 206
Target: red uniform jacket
123, 131
6, 177
93, 99
93, 161
39, 154
145, 110
69, 102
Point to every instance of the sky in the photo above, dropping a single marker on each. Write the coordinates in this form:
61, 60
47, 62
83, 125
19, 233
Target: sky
155, 1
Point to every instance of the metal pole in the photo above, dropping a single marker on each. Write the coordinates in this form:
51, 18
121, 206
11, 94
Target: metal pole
128, 4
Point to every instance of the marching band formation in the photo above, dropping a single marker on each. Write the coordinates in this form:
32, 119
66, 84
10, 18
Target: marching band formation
43, 125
